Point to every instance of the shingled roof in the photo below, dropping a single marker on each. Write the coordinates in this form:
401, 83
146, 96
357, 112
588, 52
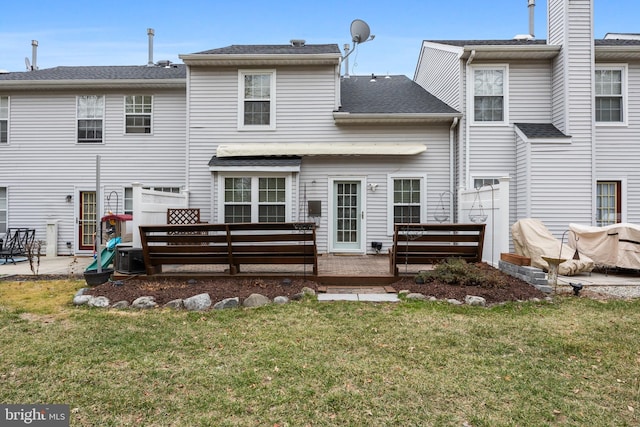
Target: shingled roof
396, 94
132, 72
284, 49
540, 131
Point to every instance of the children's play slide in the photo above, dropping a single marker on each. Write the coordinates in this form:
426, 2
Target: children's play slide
107, 255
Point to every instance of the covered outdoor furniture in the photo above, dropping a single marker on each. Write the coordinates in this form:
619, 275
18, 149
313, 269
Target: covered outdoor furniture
531, 238
16, 243
616, 245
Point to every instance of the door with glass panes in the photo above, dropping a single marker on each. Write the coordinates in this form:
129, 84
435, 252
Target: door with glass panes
348, 216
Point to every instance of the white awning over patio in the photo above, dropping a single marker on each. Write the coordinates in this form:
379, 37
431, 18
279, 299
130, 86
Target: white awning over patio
320, 149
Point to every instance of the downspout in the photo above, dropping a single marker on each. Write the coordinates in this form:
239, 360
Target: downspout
468, 120
454, 124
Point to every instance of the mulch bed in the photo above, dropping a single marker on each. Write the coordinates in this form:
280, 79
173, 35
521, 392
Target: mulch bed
164, 290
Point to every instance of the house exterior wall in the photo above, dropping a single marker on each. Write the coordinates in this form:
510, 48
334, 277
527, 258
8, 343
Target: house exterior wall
305, 101
43, 163
439, 72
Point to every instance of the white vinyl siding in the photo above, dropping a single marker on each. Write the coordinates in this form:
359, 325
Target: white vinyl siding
90, 117
4, 119
439, 72
610, 94
138, 113
257, 99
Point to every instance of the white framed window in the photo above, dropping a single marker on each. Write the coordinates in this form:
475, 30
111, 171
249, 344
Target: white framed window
3, 210
128, 200
4, 119
138, 110
608, 202
610, 94
407, 201
90, 117
490, 94
264, 198
483, 181
256, 99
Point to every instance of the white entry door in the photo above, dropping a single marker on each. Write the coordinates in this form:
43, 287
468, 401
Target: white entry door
348, 216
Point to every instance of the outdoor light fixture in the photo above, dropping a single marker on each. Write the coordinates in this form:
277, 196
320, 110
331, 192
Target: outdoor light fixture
377, 246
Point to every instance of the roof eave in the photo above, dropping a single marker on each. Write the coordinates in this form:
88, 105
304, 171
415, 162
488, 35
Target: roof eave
345, 118
232, 60
484, 52
617, 53
93, 84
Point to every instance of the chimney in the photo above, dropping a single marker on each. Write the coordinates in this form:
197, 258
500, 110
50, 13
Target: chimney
34, 55
346, 60
532, 5
150, 33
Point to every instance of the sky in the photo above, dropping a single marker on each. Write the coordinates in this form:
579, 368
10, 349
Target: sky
114, 32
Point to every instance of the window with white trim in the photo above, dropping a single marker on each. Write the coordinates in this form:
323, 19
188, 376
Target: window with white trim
407, 200
608, 202
255, 199
4, 119
138, 109
3, 210
256, 109
90, 117
490, 94
479, 182
610, 93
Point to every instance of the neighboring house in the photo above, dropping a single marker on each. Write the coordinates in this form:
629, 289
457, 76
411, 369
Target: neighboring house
561, 117
53, 124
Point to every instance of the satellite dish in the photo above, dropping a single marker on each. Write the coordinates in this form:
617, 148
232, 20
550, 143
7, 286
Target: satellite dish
27, 63
360, 31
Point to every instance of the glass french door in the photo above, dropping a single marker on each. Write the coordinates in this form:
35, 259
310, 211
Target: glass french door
87, 220
347, 214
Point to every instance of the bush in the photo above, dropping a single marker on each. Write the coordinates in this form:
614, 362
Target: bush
456, 271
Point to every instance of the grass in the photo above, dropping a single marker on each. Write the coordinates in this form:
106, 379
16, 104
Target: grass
574, 362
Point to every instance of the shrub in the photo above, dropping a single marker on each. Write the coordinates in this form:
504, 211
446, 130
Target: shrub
456, 271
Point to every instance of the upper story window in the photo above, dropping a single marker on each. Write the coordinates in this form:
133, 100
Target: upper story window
3, 210
256, 100
90, 118
490, 94
610, 94
138, 110
4, 119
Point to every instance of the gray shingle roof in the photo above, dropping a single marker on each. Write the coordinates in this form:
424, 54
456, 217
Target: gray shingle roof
255, 161
617, 42
397, 94
133, 72
307, 49
540, 130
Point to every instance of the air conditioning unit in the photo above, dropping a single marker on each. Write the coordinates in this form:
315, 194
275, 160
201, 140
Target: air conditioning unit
129, 260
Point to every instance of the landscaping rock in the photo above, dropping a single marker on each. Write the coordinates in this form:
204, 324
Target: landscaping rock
308, 291
81, 292
197, 302
176, 304
81, 299
416, 296
474, 300
120, 304
144, 303
454, 301
101, 302
280, 300
227, 303
404, 292
256, 300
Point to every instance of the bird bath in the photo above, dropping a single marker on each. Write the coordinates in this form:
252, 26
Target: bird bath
554, 263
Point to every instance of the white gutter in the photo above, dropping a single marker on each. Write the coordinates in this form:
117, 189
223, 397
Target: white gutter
454, 124
467, 155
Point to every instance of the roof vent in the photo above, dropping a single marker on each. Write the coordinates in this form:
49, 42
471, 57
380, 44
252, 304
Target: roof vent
523, 37
164, 63
298, 43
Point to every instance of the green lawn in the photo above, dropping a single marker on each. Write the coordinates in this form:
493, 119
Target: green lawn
575, 362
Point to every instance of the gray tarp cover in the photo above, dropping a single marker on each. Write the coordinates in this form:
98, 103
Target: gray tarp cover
616, 245
531, 238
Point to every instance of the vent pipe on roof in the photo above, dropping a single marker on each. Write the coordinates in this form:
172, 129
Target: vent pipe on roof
532, 5
150, 33
34, 55
346, 60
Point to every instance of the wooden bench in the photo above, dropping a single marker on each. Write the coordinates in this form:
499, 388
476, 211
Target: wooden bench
17, 242
432, 243
230, 244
